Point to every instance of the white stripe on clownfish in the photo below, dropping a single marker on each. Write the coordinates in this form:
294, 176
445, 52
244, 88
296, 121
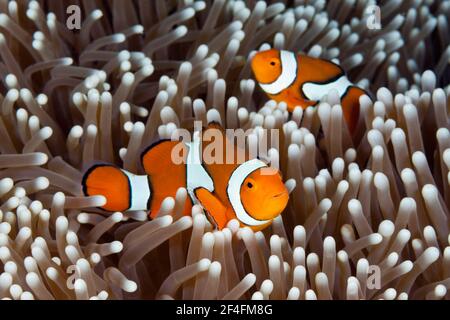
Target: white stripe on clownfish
139, 191
316, 91
288, 74
234, 191
196, 174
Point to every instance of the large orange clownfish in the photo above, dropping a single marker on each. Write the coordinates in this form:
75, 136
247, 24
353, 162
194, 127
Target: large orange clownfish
302, 81
225, 189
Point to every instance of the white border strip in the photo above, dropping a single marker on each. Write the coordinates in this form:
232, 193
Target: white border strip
234, 191
196, 174
140, 191
316, 91
287, 76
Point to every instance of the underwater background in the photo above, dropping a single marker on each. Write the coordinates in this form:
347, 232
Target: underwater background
86, 81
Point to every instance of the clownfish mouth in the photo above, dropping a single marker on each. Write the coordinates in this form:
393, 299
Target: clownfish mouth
273, 206
278, 195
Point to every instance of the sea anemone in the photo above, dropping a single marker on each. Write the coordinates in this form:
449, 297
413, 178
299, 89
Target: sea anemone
368, 217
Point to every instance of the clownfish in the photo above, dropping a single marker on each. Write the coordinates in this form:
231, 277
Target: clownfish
299, 80
224, 189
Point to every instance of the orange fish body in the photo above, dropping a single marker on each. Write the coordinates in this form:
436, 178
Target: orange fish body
225, 189
302, 81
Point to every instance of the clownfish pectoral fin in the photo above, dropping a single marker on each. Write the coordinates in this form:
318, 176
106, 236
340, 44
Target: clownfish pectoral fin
215, 209
157, 158
293, 102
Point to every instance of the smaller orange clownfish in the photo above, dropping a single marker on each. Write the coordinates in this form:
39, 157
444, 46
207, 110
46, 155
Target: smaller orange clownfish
226, 191
302, 81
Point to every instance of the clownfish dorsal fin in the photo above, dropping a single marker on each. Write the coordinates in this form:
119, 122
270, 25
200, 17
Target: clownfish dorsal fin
215, 125
158, 156
229, 141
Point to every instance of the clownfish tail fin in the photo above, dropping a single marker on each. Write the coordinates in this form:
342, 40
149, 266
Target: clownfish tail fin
123, 190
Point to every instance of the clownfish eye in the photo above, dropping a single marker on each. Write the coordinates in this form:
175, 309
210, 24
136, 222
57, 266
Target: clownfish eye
249, 185
272, 63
